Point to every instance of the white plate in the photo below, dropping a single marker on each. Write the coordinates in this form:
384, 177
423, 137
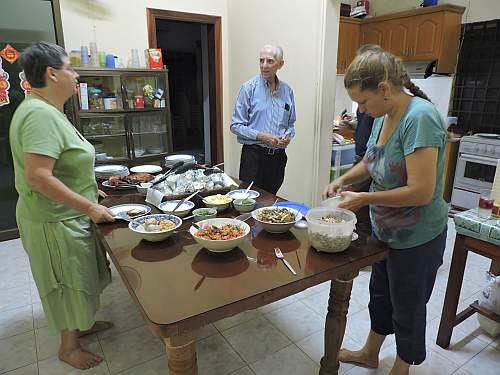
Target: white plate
488, 135
119, 187
146, 169
112, 168
251, 193
355, 236
122, 209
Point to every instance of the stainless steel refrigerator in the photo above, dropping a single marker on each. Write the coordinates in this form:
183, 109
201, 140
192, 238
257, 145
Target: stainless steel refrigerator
22, 23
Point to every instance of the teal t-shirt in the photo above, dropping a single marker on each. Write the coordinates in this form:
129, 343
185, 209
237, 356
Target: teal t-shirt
405, 227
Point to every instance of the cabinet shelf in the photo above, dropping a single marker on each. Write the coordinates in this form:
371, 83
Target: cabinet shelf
124, 144
89, 137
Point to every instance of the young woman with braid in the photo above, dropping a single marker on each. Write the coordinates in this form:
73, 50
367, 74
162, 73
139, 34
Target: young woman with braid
404, 158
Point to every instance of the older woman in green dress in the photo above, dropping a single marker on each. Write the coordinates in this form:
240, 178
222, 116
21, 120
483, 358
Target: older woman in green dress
54, 176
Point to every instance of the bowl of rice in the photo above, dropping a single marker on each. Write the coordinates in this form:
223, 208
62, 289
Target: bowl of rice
156, 227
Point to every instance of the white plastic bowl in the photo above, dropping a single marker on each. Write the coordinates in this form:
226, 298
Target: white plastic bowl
137, 226
276, 227
220, 246
182, 211
330, 237
332, 202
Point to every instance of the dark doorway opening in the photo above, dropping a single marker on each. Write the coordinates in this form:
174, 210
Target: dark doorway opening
191, 48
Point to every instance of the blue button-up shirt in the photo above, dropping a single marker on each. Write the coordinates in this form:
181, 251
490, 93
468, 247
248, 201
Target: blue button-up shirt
260, 110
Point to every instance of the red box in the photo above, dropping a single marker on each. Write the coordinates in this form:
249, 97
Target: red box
364, 3
154, 58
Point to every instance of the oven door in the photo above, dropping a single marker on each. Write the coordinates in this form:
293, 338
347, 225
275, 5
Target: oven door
475, 172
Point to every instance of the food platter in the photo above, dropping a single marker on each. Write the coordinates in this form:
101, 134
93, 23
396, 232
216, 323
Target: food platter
118, 187
122, 210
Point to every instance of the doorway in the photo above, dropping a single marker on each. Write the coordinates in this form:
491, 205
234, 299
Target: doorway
191, 51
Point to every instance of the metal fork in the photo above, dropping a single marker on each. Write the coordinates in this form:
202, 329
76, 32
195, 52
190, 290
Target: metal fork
279, 255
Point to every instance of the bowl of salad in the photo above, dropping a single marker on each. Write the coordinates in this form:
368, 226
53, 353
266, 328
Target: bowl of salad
220, 234
276, 219
244, 205
204, 213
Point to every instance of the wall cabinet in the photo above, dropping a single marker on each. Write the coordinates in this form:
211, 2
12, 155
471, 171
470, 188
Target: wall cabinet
424, 34
124, 113
348, 44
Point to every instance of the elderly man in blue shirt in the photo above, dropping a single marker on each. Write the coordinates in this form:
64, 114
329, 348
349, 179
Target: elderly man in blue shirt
263, 120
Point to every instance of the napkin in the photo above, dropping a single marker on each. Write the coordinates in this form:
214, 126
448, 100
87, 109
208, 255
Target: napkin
154, 197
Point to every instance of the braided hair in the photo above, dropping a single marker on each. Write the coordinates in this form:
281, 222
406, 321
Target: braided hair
374, 65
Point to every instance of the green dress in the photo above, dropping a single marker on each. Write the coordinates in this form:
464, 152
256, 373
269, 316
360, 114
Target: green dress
69, 268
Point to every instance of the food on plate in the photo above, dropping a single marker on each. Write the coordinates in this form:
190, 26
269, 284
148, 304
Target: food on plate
225, 232
218, 199
276, 215
194, 180
135, 211
247, 202
132, 179
205, 212
153, 225
332, 219
323, 241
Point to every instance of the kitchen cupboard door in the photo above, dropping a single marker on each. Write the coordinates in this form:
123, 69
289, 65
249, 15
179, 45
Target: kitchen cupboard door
373, 33
348, 45
428, 30
399, 37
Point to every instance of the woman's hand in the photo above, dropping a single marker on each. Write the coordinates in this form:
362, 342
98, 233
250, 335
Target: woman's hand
100, 214
102, 194
352, 201
333, 188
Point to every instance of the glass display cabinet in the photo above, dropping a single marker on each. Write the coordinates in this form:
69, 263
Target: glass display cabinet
124, 113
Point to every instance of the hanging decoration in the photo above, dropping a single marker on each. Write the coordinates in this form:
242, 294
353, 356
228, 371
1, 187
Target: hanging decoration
25, 85
4, 86
10, 54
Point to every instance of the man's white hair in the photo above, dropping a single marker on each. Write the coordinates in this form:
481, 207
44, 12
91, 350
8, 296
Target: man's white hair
278, 51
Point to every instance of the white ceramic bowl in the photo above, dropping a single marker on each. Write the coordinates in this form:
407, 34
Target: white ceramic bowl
137, 226
182, 211
332, 202
276, 227
143, 187
240, 207
218, 206
220, 246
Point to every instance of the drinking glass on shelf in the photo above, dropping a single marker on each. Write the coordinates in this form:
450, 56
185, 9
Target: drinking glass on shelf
485, 204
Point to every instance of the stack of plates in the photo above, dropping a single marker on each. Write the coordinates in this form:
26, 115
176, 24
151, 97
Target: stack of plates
172, 159
103, 172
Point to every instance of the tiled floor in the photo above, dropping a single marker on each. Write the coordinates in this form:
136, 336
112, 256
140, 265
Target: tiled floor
285, 337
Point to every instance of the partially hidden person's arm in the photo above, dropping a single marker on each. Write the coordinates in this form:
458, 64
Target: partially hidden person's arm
356, 174
419, 189
38, 171
290, 131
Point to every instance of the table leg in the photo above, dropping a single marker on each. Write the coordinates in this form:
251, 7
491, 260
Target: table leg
338, 304
181, 354
455, 278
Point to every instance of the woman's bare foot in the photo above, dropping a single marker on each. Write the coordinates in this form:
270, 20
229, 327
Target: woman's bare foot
358, 358
98, 326
80, 358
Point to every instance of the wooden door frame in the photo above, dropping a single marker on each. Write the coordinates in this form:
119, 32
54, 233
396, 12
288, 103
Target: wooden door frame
214, 67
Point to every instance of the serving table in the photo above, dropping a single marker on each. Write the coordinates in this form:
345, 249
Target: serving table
179, 287
478, 236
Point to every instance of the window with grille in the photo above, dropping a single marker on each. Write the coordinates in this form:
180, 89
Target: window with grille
476, 92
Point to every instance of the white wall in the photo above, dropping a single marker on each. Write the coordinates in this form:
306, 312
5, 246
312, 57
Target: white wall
478, 10
307, 30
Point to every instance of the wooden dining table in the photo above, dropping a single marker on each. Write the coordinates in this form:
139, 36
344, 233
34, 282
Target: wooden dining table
179, 287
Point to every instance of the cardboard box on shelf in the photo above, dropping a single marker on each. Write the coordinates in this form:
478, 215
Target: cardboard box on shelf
154, 58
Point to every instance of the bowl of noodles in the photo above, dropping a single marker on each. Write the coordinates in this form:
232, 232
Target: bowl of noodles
156, 227
220, 234
276, 219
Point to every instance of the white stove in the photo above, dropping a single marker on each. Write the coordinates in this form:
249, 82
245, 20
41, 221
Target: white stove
476, 165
